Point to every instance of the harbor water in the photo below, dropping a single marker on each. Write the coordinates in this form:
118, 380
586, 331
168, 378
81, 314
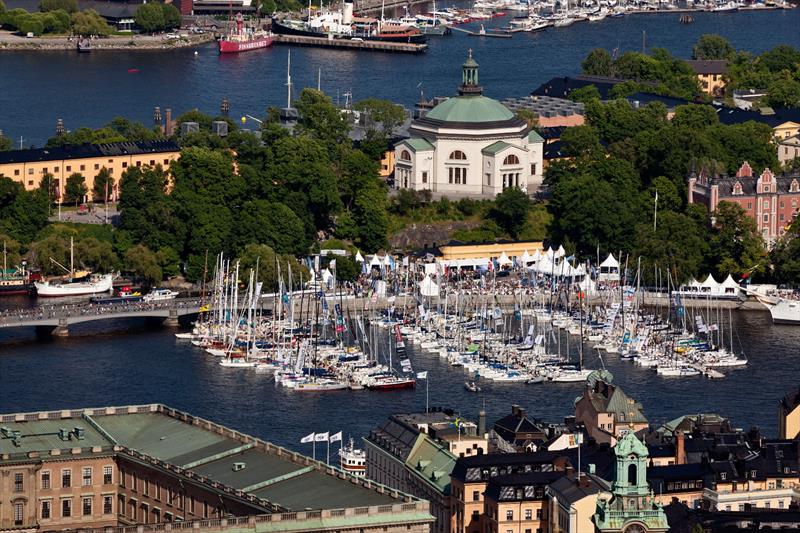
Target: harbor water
130, 362
38, 87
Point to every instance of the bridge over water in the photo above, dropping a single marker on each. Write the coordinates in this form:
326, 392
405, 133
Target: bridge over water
56, 319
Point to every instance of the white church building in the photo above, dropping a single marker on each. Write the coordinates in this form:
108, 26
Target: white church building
469, 146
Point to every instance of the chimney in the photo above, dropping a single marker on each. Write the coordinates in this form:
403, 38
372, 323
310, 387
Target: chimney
481, 423
522, 412
680, 448
515, 410
168, 123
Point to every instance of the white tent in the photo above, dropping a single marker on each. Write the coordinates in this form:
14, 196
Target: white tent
609, 269
561, 252
610, 262
503, 260
729, 286
428, 287
525, 258
326, 276
375, 261
387, 261
359, 257
536, 255
710, 285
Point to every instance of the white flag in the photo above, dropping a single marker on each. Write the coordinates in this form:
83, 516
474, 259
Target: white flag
422, 375
308, 438
336, 437
321, 437
332, 264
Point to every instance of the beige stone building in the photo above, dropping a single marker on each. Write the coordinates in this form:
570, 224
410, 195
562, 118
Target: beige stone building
30, 167
154, 467
606, 411
572, 502
712, 75
788, 149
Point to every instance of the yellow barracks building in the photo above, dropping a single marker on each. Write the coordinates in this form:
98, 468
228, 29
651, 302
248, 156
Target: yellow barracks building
28, 167
457, 251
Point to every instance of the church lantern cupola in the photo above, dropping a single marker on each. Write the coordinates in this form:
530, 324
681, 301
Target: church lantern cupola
469, 78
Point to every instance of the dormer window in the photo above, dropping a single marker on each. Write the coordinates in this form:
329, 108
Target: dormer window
737, 188
794, 186
723, 476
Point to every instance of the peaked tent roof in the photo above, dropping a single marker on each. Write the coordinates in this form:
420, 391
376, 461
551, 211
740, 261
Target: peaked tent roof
610, 262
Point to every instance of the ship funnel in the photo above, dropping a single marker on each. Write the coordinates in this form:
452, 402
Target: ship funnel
347, 13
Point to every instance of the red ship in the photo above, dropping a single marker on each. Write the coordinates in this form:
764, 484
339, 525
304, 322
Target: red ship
244, 40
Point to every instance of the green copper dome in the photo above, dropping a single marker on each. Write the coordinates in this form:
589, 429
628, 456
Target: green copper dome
470, 109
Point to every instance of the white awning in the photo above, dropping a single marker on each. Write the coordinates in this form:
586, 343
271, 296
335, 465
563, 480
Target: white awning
428, 287
503, 260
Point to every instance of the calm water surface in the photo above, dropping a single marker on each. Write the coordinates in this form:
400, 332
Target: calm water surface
119, 365
36, 88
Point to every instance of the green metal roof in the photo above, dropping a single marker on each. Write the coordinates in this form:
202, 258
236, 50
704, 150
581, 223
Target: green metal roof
470, 109
432, 462
418, 144
630, 444
496, 147
43, 436
534, 137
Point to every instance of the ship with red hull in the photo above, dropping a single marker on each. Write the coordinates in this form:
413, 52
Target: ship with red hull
244, 39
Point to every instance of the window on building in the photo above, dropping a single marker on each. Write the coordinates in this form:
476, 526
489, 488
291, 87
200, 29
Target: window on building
83, 167
528, 514
87, 476
30, 183
405, 155
66, 477
146, 487
511, 159
780, 504
205, 509
19, 485
145, 513
476, 495
108, 472
424, 177
97, 166
19, 513
509, 515
44, 170
458, 155
45, 510
749, 205
167, 517
728, 508
152, 162
66, 508
46, 479
87, 507
16, 172
723, 476
741, 507
69, 168
107, 503
166, 161
538, 514
766, 204
30, 171
766, 217
124, 164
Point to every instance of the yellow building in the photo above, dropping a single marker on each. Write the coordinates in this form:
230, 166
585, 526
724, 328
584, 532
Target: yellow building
789, 416
786, 130
455, 251
572, 503
29, 167
711, 74
517, 503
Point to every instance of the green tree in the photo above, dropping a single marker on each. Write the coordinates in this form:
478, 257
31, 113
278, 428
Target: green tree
103, 185
70, 6
321, 119
144, 264
271, 223
95, 255
784, 92
782, 57
736, 246
12, 249
695, 116
383, 115
172, 17
269, 264
347, 269
169, 261
712, 46
598, 63
528, 115
150, 18
585, 94
679, 245
5, 143
75, 189
2, 7
510, 210
88, 22
44, 253
371, 217
581, 141
146, 212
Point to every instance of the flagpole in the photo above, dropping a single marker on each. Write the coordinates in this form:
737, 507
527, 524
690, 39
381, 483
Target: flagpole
314, 449
655, 211
426, 394
328, 457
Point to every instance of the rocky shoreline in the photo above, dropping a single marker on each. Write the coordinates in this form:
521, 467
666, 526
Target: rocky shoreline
11, 42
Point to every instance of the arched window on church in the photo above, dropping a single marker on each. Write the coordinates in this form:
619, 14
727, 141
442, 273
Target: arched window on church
632, 475
405, 155
511, 160
458, 155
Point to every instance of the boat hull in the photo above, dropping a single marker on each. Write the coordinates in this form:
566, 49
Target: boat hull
234, 47
46, 290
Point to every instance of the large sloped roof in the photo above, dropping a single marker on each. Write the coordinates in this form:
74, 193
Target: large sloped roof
470, 109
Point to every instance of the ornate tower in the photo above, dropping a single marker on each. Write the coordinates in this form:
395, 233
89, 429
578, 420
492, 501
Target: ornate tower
469, 78
631, 508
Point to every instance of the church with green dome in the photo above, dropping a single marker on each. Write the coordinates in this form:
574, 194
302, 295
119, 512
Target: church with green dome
469, 146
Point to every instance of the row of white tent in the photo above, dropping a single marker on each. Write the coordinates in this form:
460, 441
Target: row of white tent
712, 287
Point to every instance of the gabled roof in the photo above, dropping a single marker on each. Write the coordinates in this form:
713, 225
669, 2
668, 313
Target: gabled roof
418, 144
496, 148
534, 137
432, 463
708, 66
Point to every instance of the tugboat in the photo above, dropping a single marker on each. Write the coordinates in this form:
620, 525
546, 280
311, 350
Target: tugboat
353, 461
245, 39
17, 280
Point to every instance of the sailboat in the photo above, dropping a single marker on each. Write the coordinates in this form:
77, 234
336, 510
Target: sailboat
86, 284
